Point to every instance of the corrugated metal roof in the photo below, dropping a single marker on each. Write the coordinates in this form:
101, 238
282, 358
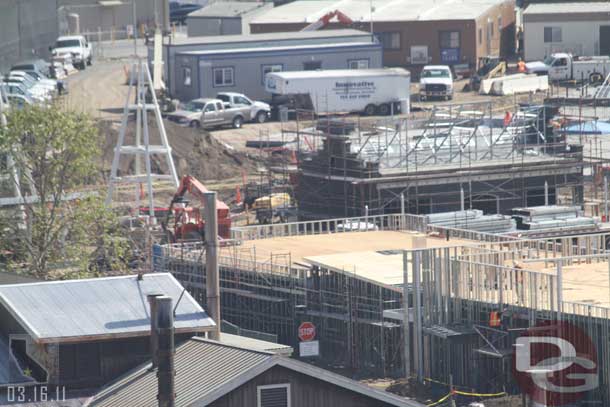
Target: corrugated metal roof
207, 370
226, 9
233, 51
74, 310
305, 11
567, 8
201, 368
255, 344
295, 35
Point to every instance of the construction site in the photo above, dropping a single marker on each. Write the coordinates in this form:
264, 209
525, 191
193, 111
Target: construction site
419, 247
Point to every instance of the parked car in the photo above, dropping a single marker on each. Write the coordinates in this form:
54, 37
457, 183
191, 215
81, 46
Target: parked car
259, 111
22, 87
15, 88
38, 66
77, 47
436, 81
209, 113
50, 84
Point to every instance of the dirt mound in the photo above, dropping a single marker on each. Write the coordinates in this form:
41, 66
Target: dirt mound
194, 151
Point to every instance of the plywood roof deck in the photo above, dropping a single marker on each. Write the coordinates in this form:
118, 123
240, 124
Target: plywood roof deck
586, 283
301, 247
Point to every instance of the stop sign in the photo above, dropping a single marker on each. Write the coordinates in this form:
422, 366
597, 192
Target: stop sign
307, 331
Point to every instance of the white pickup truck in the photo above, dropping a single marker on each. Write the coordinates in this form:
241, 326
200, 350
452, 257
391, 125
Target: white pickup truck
259, 111
75, 46
436, 81
562, 66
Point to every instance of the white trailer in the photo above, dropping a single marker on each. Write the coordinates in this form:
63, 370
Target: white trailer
372, 91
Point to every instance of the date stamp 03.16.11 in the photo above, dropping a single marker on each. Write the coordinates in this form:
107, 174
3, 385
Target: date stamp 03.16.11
34, 394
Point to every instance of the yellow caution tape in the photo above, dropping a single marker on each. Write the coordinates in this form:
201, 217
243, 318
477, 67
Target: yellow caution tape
439, 401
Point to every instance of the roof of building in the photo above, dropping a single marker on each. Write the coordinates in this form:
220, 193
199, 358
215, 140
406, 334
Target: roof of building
296, 35
226, 9
255, 344
278, 48
342, 73
98, 308
305, 11
568, 8
207, 370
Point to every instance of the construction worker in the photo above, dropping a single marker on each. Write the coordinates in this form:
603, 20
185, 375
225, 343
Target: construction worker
521, 66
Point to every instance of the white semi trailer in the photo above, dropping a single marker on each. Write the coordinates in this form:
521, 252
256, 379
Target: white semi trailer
371, 91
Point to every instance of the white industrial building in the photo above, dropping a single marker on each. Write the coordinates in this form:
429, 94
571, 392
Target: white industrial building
578, 28
224, 18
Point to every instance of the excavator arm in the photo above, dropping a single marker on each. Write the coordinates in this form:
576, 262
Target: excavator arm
325, 20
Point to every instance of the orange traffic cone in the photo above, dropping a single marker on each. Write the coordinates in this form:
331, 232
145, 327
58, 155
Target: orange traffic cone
507, 118
237, 195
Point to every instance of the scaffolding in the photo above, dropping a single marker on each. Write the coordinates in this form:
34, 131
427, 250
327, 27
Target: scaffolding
500, 159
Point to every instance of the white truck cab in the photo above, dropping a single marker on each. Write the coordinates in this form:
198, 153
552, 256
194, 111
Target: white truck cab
75, 46
436, 81
563, 66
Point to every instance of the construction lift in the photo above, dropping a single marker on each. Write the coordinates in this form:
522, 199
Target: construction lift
488, 67
188, 222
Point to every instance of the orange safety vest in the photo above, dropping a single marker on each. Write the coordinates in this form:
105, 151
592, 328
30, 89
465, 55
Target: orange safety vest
521, 66
494, 319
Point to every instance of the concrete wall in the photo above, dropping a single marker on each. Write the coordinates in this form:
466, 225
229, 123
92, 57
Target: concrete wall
248, 68
578, 37
27, 29
202, 26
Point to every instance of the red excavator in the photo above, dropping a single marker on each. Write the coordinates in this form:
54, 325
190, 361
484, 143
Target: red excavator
189, 223
325, 20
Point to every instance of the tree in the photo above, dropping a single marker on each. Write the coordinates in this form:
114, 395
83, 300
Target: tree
66, 227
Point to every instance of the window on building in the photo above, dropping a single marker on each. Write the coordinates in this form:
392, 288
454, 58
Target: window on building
480, 36
312, 65
186, 74
358, 64
450, 39
223, 77
389, 40
500, 24
491, 29
265, 69
552, 34
273, 395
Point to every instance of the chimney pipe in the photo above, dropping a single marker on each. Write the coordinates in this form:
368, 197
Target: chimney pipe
212, 284
166, 371
154, 335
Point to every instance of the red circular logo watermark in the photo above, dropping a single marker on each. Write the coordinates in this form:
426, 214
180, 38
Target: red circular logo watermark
555, 363
307, 331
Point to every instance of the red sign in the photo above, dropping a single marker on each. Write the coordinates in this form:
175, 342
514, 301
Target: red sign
307, 331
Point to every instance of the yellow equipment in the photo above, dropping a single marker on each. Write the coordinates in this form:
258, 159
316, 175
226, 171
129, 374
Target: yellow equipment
272, 201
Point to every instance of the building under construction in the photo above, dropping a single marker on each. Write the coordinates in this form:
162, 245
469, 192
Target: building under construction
460, 156
355, 286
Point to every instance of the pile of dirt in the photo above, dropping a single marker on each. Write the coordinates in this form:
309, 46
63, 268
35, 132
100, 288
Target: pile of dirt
195, 152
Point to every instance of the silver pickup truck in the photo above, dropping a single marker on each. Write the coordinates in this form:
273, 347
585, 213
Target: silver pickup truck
209, 113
